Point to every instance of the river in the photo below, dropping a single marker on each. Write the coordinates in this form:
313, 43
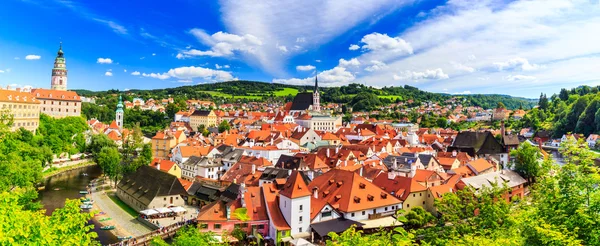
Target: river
67, 185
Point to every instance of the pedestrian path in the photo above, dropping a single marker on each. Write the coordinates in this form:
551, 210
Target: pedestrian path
122, 219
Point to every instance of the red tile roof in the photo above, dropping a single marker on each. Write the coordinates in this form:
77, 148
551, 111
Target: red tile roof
270, 193
398, 186
56, 95
294, 187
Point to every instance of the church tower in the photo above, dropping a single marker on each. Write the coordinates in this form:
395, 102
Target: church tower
59, 72
119, 114
316, 96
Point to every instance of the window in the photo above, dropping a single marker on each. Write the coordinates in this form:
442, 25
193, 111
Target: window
352, 214
327, 214
300, 208
203, 226
386, 208
164, 199
407, 205
260, 227
217, 226
300, 219
300, 230
363, 212
420, 194
423, 202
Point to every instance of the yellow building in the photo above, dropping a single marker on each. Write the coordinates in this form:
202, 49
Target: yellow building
57, 103
206, 118
24, 107
167, 167
162, 143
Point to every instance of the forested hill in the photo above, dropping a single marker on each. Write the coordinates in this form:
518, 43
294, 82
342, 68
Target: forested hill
359, 96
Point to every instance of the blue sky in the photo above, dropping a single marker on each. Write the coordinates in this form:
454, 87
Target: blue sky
519, 48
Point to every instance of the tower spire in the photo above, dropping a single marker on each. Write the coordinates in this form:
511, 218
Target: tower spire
316, 82
59, 72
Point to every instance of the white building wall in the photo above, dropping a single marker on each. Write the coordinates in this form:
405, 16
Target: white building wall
299, 220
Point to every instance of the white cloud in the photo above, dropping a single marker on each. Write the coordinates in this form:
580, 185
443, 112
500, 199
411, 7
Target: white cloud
126, 89
425, 75
550, 35
295, 20
334, 77
515, 63
222, 44
17, 58
384, 43
354, 47
113, 25
217, 66
519, 77
32, 57
188, 73
463, 93
108, 74
153, 54
377, 65
185, 81
135, 73
1, 71
347, 63
282, 48
462, 67
124, 70
104, 61
318, 60
305, 68
143, 57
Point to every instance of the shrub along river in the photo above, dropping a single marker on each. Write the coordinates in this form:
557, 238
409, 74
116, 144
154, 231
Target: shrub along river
66, 185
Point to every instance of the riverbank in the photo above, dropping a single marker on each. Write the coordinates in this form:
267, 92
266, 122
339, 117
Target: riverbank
125, 224
54, 171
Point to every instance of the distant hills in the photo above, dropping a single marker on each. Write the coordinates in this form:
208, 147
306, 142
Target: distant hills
360, 97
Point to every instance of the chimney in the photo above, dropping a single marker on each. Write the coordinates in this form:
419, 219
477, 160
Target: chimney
158, 165
327, 152
454, 153
361, 171
395, 163
253, 169
316, 193
337, 149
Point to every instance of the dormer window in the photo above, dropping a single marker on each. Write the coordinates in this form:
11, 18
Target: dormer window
37, 94
50, 96
63, 96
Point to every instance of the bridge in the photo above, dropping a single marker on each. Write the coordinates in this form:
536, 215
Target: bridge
164, 232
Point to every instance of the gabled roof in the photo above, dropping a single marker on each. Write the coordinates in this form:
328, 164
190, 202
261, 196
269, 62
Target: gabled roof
295, 186
302, 101
270, 194
480, 165
47, 94
147, 183
398, 186
17, 97
348, 192
508, 177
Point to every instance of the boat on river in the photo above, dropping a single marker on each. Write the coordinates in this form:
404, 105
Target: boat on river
83, 192
89, 202
85, 199
108, 227
105, 219
85, 206
124, 238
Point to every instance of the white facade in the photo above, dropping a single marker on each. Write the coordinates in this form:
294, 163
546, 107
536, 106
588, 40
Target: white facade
296, 212
287, 144
271, 155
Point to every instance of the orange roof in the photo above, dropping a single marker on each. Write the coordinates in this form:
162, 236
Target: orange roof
295, 186
17, 97
187, 151
270, 193
399, 186
165, 165
348, 192
463, 171
255, 204
422, 175
480, 165
56, 95
329, 136
113, 125
114, 135
217, 210
185, 183
440, 190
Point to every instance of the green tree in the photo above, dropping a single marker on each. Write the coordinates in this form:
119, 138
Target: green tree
188, 236
586, 123
543, 102
418, 217
224, 126
500, 105
66, 226
109, 159
527, 161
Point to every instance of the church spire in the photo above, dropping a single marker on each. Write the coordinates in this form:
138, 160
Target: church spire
316, 83
59, 72
60, 52
119, 113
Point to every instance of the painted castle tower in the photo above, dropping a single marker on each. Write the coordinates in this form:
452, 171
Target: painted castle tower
59, 72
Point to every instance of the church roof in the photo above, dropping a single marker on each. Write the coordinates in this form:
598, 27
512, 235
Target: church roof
302, 101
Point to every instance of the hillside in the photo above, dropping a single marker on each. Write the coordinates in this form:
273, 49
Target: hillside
354, 94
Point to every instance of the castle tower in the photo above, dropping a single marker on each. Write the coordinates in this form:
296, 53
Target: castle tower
119, 113
316, 96
59, 72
